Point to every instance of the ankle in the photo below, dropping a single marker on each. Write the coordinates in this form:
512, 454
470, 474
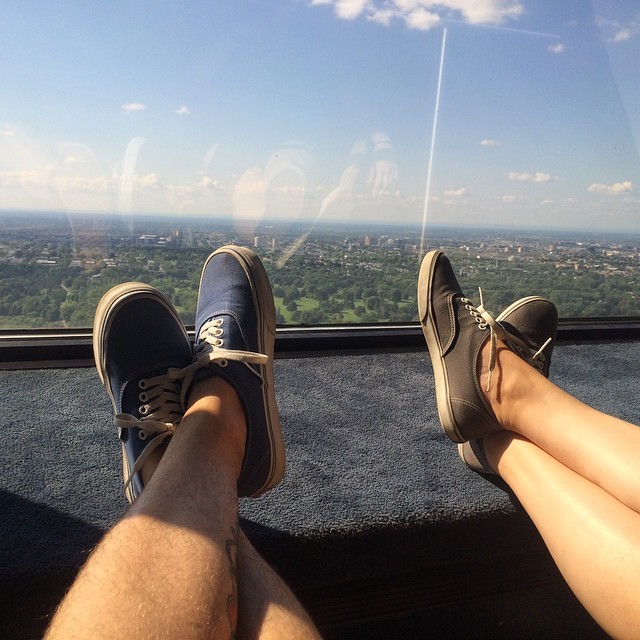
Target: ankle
495, 445
216, 411
506, 384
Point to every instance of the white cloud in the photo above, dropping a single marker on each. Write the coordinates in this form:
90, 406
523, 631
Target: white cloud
382, 16
133, 106
288, 189
407, 5
23, 179
486, 11
612, 189
349, 9
490, 143
147, 181
510, 198
7, 132
615, 31
456, 193
539, 176
84, 184
556, 48
426, 14
183, 111
73, 160
422, 19
623, 34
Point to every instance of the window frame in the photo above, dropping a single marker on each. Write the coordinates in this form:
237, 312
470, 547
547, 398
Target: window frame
74, 347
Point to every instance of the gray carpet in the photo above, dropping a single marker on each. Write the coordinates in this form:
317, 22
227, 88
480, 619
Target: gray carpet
373, 488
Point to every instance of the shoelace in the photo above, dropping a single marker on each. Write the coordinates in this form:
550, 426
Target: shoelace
161, 411
497, 331
163, 397
210, 349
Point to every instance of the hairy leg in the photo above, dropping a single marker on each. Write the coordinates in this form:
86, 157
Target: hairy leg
598, 447
168, 568
593, 538
268, 609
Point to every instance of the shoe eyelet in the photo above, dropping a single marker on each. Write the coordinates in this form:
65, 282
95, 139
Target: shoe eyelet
223, 363
142, 434
143, 397
143, 410
142, 383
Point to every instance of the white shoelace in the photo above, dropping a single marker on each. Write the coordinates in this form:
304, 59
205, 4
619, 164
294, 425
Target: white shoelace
497, 331
163, 397
161, 410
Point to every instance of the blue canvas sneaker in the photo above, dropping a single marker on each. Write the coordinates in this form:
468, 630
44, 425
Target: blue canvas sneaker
235, 334
140, 348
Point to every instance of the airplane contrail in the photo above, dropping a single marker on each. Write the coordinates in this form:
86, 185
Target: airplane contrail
497, 27
433, 144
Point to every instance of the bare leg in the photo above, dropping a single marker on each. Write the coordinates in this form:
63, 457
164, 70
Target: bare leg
574, 470
593, 538
168, 569
599, 447
268, 609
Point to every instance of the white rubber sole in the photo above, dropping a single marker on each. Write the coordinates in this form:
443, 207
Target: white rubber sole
443, 402
104, 315
514, 306
105, 312
263, 301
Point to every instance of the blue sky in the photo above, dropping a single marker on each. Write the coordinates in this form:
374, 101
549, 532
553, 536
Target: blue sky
325, 109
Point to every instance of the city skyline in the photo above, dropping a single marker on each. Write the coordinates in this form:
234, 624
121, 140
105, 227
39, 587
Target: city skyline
524, 114
341, 274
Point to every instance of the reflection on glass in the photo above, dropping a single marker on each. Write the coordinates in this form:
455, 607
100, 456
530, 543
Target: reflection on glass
340, 139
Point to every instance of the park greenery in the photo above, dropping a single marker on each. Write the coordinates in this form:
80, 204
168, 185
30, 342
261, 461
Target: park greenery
338, 275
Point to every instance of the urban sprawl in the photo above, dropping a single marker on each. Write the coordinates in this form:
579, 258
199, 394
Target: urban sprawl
55, 268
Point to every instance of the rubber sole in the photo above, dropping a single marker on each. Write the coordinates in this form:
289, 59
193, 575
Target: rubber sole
265, 307
105, 312
514, 306
443, 402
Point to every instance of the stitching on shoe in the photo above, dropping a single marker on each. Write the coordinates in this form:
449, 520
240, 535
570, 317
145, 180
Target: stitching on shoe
473, 406
452, 323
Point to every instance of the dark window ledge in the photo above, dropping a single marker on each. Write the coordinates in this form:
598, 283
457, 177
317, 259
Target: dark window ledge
69, 347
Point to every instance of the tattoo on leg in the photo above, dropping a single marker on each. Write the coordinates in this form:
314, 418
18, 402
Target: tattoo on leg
232, 600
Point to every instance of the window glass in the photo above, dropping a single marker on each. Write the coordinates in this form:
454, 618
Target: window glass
341, 139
